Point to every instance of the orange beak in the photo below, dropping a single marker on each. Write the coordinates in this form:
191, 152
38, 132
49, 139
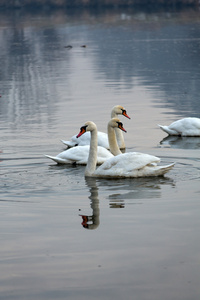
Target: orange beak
82, 131
125, 114
120, 126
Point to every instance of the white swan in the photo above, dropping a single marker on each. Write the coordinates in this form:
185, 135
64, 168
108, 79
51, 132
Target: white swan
102, 136
131, 164
79, 155
183, 127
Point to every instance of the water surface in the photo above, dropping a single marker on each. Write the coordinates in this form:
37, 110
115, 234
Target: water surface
141, 239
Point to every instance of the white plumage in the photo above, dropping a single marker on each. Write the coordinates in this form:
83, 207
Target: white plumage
131, 164
85, 140
79, 155
102, 136
183, 127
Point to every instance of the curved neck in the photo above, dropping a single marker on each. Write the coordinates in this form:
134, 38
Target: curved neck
114, 148
120, 138
118, 132
113, 114
92, 158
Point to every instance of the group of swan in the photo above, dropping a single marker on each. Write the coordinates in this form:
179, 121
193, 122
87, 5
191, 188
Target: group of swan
79, 148
102, 136
123, 165
90, 146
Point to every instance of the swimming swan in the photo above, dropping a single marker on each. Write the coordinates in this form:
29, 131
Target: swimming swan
79, 155
124, 165
183, 127
102, 136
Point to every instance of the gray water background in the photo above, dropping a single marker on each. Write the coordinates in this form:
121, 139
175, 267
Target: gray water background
143, 238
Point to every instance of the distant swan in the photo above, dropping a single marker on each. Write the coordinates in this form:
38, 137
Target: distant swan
183, 127
102, 136
131, 164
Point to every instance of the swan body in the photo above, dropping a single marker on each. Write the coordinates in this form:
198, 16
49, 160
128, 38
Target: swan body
125, 165
183, 127
102, 136
85, 140
132, 164
79, 155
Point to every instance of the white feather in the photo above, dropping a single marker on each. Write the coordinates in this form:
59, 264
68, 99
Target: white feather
79, 155
131, 164
102, 136
183, 127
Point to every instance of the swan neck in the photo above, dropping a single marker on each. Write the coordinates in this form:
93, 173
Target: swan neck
92, 158
113, 114
120, 138
118, 132
114, 148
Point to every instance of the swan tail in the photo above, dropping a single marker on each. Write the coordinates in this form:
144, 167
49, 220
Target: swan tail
151, 170
57, 159
70, 144
164, 128
161, 170
168, 130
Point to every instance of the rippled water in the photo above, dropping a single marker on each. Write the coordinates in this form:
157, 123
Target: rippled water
141, 240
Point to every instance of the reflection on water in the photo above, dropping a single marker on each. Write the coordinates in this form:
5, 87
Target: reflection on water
140, 188
92, 221
151, 49
145, 61
181, 142
117, 203
137, 189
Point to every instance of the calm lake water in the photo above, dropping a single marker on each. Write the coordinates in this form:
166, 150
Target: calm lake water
143, 239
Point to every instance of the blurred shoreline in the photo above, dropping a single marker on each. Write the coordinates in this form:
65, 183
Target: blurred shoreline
17, 4
38, 16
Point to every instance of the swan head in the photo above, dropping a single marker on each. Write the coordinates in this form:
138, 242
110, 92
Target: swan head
89, 126
116, 123
120, 110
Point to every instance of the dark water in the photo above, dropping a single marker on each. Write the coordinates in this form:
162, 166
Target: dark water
142, 241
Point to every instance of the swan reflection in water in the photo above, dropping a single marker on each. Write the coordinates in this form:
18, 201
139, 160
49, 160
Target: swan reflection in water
181, 142
128, 191
121, 192
92, 222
